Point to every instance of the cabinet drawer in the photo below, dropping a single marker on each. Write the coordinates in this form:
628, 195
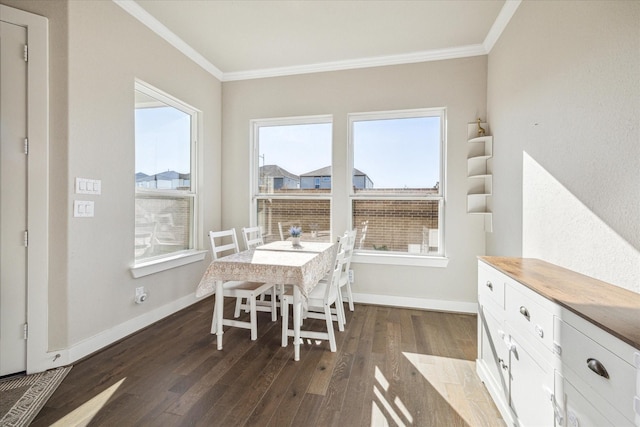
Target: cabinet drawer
491, 285
583, 411
584, 356
528, 317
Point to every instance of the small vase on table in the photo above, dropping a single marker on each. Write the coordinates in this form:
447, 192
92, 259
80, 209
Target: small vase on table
295, 233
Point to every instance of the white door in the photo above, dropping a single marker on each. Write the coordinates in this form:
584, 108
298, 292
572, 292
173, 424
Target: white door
13, 199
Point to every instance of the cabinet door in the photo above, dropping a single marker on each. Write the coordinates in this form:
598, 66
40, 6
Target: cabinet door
531, 388
493, 352
586, 411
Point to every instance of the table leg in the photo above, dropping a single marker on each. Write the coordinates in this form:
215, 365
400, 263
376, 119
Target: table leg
297, 314
219, 312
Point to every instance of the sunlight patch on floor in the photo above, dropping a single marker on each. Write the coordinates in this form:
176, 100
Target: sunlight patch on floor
456, 381
83, 415
382, 410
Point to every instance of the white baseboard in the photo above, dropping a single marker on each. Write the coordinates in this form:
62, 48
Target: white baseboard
103, 339
417, 303
108, 337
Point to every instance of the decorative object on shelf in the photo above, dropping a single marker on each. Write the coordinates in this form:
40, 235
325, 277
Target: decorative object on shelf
481, 131
295, 233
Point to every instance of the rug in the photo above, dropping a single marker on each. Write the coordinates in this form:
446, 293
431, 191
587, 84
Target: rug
22, 397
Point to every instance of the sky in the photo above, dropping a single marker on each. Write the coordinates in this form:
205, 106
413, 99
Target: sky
162, 140
394, 153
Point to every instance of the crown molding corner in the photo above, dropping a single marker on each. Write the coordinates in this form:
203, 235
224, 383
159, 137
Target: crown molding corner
135, 10
502, 20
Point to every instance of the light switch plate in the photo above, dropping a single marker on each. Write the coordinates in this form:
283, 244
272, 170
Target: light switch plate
83, 208
88, 186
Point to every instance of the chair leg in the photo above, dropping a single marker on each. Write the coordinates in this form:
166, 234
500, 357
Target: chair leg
329, 320
340, 315
284, 310
213, 320
274, 309
349, 296
254, 318
238, 307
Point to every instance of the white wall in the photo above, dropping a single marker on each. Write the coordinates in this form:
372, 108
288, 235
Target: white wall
459, 85
96, 52
564, 108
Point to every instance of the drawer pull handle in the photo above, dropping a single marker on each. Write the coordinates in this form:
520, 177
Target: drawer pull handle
489, 285
597, 367
524, 312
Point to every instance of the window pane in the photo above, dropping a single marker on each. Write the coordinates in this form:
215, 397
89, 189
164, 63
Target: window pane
293, 158
165, 196
163, 145
397, 225
313, 216
163, 225
397, 155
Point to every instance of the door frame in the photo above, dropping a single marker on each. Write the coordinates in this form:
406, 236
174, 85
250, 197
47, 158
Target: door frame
38, 357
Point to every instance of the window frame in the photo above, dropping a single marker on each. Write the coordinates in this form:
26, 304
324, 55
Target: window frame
149, 265
254, 163
400, 258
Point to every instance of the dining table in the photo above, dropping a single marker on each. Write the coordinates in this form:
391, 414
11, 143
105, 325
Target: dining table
281, 263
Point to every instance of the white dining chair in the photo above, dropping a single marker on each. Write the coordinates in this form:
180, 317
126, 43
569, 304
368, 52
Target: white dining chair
228, 242
347, 243
363, 234
252, 237
319, 302
345, 282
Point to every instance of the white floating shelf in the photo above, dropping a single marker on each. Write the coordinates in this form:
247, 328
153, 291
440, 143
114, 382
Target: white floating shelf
479, 177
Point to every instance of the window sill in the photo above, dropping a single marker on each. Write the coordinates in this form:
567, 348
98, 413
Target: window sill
396, 259
157, 265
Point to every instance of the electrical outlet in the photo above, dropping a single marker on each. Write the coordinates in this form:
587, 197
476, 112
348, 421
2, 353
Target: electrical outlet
141, 295
351, 276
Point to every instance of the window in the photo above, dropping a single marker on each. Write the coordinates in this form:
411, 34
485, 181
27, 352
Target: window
165, 136
397, 189
292, 176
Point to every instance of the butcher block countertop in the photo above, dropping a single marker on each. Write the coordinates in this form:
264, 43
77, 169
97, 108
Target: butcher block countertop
613, 309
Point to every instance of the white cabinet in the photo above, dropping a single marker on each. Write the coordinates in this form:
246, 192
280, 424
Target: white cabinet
517, 374
479, 179
546, 363
596, 371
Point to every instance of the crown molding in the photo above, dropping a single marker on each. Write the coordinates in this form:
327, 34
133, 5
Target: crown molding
503, 18
379, 61
135, 10
506, 13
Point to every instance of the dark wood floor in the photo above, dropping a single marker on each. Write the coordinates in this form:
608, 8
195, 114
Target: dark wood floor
393, 367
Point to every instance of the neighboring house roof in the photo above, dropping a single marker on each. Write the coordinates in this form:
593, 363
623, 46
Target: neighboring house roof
276, 171
162, 176
326, 171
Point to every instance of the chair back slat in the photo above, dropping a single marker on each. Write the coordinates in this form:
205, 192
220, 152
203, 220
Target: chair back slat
252, 237
217, 249
338, 265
